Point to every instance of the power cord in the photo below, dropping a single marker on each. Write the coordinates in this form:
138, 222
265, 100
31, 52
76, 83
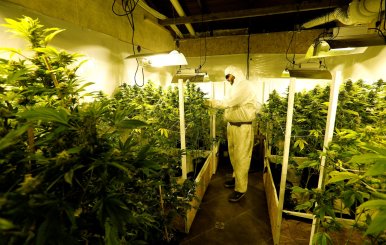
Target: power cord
128, 7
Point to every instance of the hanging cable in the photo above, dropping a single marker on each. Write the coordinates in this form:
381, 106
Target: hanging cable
128, 7
249, 37
292, 62
289, 46
205, 31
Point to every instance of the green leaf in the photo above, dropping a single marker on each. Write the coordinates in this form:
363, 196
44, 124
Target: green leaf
374, 204
380, 150
81, 88
300, 143
12, 51
322, 238
367, 158
131, 124
6, 224
119, 166
74, 150
303, 206
377, 169
54, 32
68, 176
17, 76
307, 164
377, 195
353, 181
377, 225
11, 138
340, 176
50, 51
352, 112
297, 189
111, 231
47, 115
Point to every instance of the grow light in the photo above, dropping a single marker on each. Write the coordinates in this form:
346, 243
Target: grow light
192, 75
173, 58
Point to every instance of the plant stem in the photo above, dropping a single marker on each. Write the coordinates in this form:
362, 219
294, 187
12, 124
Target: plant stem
53, 77
31, 144
48, 65
163, 212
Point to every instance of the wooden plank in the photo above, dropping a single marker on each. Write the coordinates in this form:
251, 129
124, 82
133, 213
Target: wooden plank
202, 181
247, 13
272, 200
283, 179
182, 126
330, 125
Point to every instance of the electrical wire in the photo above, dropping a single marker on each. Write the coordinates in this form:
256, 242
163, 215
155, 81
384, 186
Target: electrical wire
205, 49
380, 32
292, 62
248, 53
128, 7
288, 47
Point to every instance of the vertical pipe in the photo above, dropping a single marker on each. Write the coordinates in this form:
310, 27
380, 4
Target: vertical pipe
287, 140
177, 6
331, 115
213, 130
182, 126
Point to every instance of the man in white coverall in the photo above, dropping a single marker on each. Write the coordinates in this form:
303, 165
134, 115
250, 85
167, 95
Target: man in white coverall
240, 106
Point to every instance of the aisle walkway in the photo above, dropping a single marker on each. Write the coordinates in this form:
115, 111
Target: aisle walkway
221, 222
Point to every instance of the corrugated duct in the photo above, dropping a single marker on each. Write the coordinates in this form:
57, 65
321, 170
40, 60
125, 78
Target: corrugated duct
358, 12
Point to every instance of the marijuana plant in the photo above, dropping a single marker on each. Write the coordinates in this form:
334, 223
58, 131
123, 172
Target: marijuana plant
75, 172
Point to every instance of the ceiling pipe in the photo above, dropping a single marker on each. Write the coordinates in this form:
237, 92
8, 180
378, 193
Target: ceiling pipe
160, 16
358, 12
181, 13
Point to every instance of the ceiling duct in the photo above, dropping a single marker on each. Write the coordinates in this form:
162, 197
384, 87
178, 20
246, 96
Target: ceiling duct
358, 12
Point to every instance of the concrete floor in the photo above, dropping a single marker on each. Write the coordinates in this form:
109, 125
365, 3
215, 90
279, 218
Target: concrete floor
221, 222
247, 222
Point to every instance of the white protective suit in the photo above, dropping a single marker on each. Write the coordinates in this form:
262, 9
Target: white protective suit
241, 107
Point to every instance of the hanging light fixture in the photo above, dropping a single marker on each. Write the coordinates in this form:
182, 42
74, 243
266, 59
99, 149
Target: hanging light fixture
191, 75
310, 70
325, 48
345, 41
173, 58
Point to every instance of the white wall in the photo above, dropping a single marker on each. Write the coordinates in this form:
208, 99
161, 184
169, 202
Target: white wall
106, 66
369, 66
265, 69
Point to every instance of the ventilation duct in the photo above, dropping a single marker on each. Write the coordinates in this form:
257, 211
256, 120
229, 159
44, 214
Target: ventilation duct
358, 12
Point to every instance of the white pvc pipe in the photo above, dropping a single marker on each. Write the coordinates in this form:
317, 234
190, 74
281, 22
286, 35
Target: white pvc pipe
287, 140
160, 16
213, 130
181, 12
182, 126
331, 115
